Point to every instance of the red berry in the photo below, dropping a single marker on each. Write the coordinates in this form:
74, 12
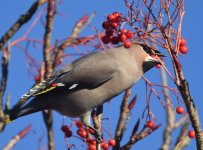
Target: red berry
115, 40
91, 131
89, 140
150, 124
129, 34
124, 31
68, 133
183, 49
37, 78
79, 124
64, 128
92, 147
114, 25
94, 142
117, 17
111, 18
122, 37
116, 14
112, 142
118, 20
105, 146
182, 42
82, 133
158, 66
106, 39
191, 134
105, 25
180, 110
127, 44
109, 32
54, 85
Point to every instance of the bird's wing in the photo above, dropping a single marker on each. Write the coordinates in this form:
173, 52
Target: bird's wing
87, 72
45, 85
90, 71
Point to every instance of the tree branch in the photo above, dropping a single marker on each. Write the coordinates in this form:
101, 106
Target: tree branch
4, 63
20, 22
17, 138
47, 114
123, 114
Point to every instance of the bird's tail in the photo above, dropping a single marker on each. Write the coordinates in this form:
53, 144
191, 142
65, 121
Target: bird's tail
19, 113
33, 106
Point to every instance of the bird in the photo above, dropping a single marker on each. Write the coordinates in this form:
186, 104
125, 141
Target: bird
90, 81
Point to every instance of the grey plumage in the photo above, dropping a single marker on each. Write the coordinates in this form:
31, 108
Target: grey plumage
89, 82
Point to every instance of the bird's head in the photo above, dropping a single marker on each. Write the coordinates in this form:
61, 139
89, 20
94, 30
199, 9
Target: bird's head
148, 56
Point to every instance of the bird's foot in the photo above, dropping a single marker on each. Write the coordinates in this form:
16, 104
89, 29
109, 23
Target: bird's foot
97, 133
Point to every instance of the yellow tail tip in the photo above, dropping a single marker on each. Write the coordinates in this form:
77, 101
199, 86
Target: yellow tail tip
8, 120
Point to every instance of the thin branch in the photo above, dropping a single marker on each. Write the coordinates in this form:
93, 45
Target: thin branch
84, 21
4, 65
122, 117
20, 22
137, 137
170, 115
182, 140
17, 138
97, 121
47, 114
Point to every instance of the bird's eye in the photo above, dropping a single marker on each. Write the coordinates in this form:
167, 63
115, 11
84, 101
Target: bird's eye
147, 49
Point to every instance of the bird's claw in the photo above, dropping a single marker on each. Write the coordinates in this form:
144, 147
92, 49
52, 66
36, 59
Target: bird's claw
97, 133
99, 136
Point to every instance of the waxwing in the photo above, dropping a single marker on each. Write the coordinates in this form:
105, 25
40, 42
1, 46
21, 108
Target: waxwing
89, 81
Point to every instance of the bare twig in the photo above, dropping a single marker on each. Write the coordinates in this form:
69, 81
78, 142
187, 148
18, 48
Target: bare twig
47, 114
122, 117
136, 137
84, 21
4, 63
97, 120
20, 22
182, 140
170, 116
17, 138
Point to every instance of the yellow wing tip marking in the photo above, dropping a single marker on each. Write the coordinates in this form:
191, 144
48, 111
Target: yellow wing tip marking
47, 90
8, 120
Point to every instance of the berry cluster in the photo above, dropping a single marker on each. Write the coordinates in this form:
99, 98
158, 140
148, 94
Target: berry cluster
183, 49
85, 135
113, 33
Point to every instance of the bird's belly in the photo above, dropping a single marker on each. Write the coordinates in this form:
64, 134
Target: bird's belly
79, 102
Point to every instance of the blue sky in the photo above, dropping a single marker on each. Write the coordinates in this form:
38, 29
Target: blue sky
19, 80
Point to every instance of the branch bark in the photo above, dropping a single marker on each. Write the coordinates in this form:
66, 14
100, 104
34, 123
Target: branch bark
20, 22
123, 114
4, 63
17, 138
47, 114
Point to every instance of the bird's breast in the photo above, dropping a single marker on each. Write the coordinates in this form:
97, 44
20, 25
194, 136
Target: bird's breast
80, 101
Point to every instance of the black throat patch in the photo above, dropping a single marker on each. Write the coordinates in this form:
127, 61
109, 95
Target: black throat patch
147, 65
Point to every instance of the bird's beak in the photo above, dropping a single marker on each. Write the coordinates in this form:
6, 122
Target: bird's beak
159, 54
